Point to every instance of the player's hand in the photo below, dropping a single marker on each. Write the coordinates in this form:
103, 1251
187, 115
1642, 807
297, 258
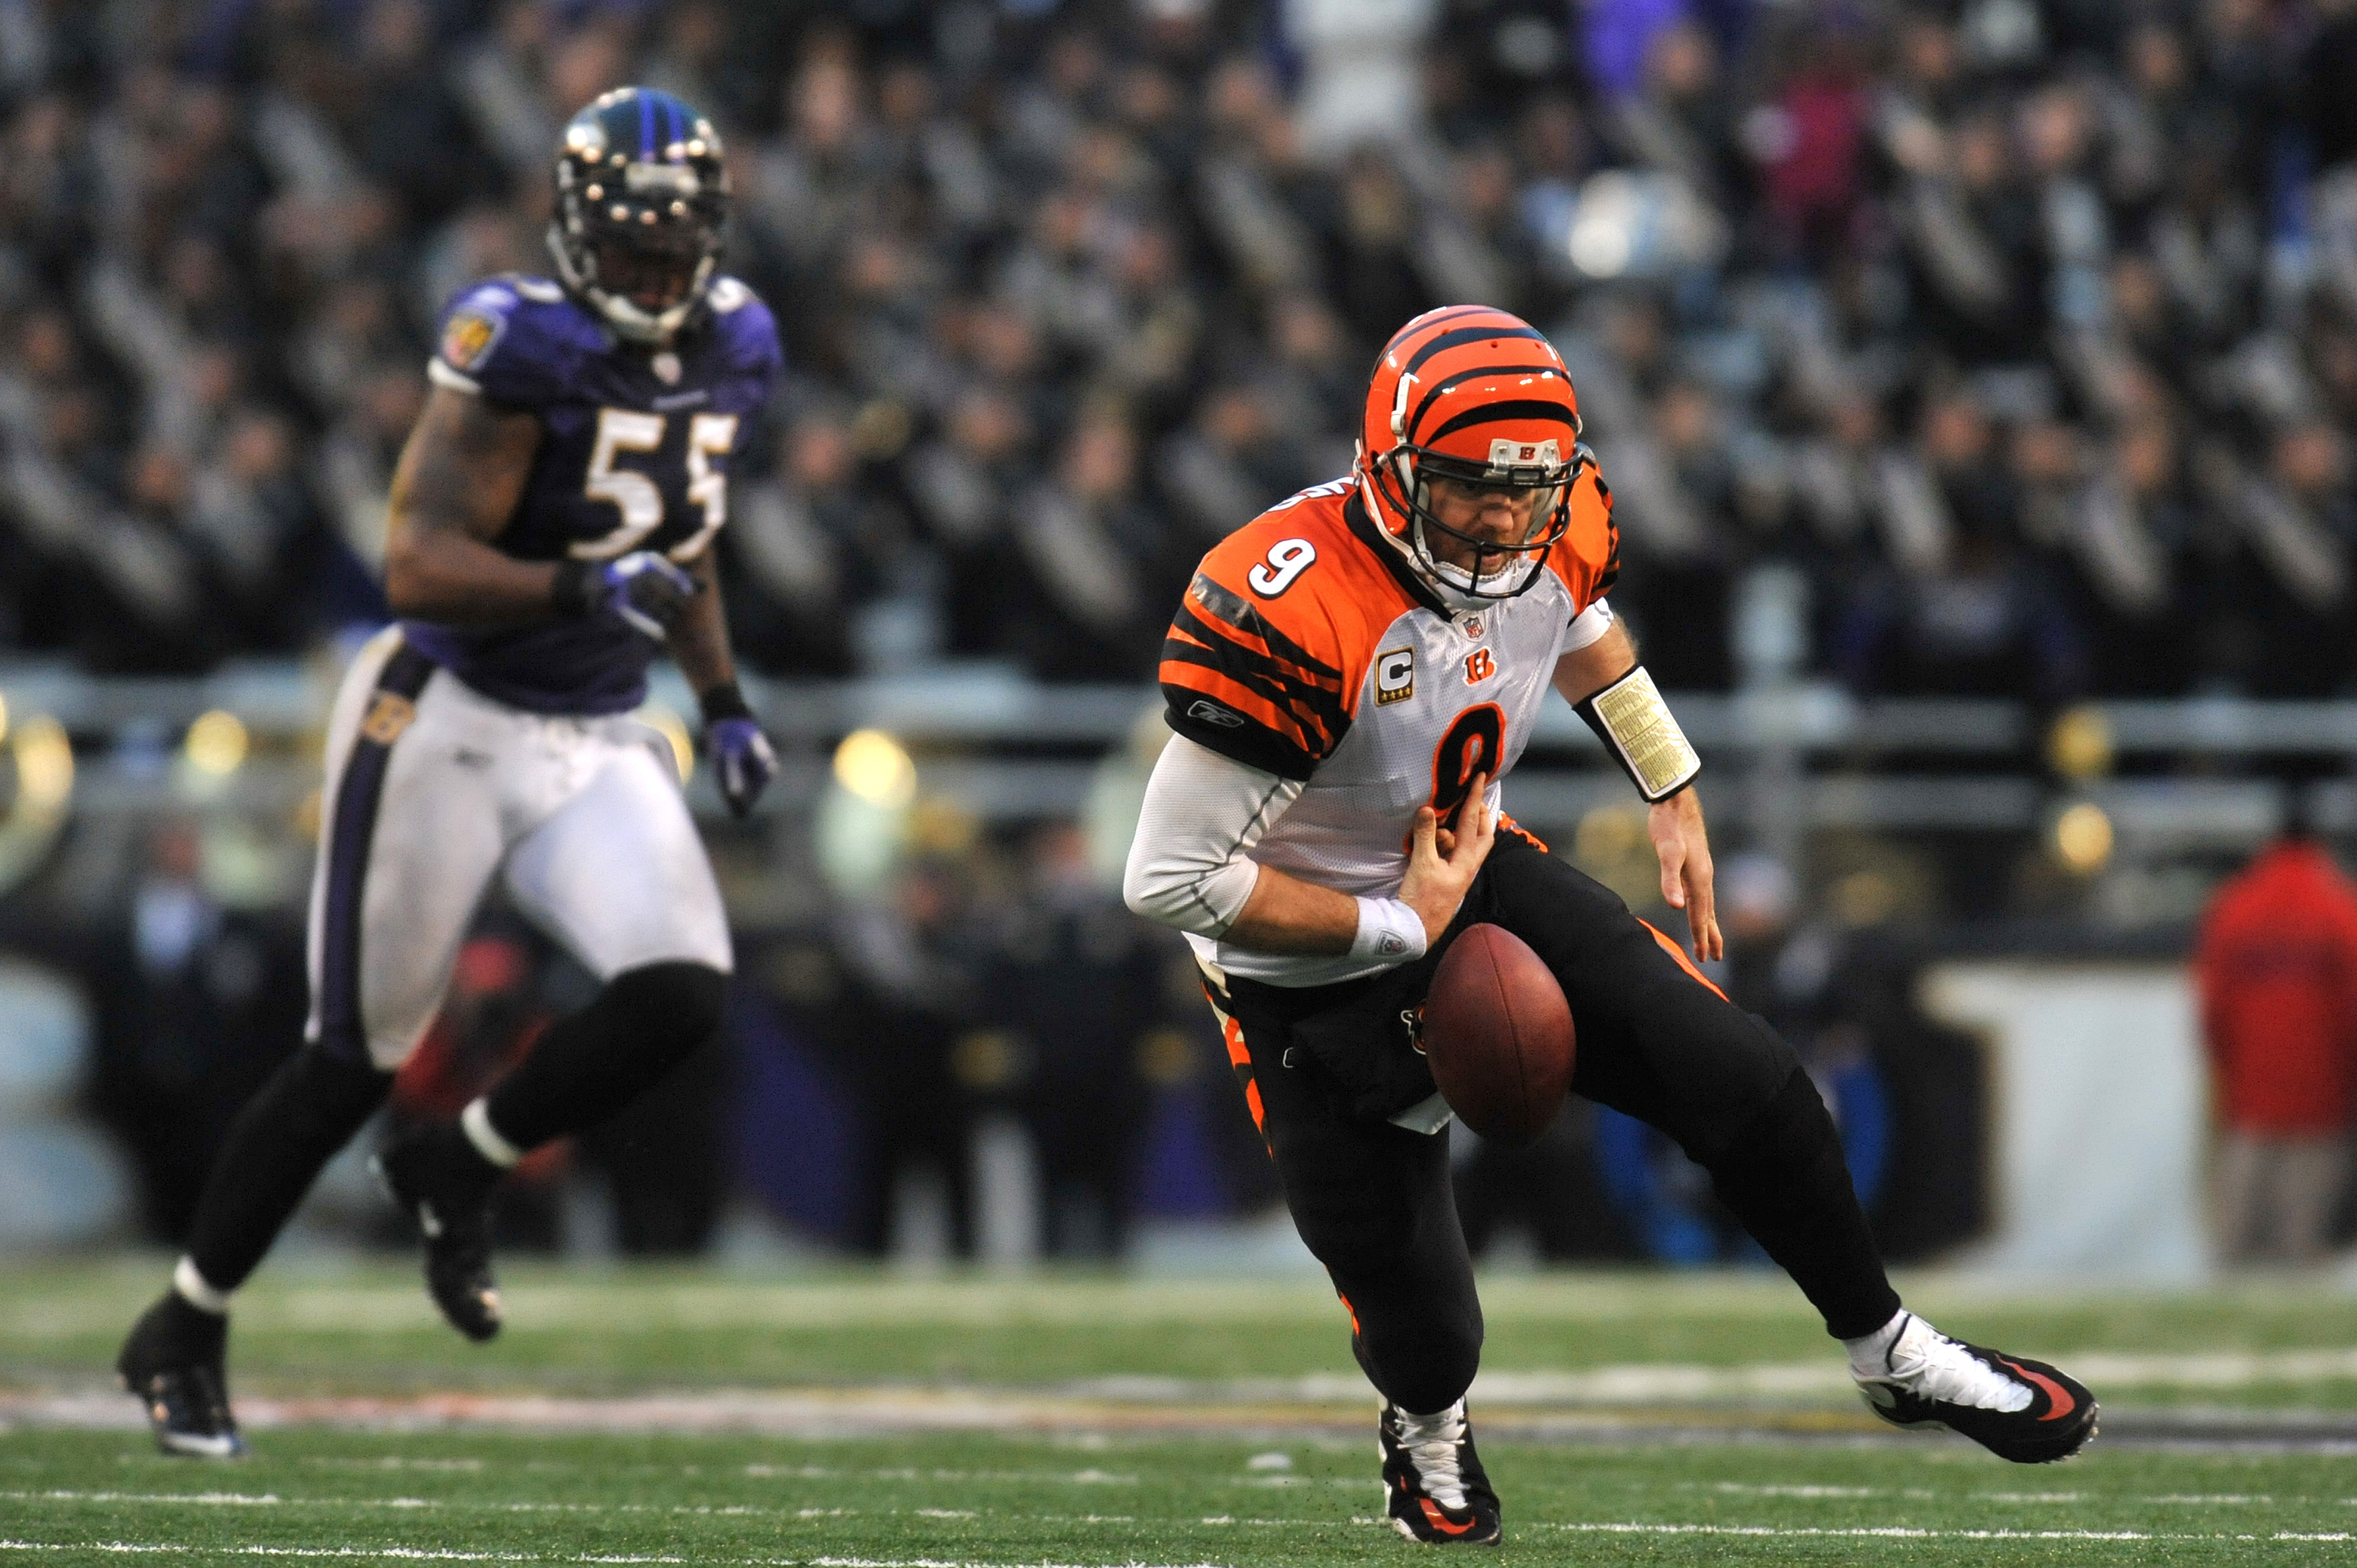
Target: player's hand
647, 591
1441, 864
1683, 845
742, 761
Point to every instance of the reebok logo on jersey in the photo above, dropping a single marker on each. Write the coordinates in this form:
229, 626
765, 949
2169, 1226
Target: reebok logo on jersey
1211, 712
1396, 676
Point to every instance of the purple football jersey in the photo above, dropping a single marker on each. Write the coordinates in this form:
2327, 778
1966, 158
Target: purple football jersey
634, 456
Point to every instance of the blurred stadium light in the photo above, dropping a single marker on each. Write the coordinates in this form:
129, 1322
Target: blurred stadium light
1010, 747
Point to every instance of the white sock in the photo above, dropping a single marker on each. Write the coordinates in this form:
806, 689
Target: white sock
475, 1122
1915, 1356
1431, 1441
1869, 1354
194, 1290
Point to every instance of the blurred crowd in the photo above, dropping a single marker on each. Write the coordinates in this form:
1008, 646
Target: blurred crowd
2027, 329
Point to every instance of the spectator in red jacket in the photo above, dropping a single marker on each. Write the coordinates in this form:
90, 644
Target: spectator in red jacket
2276, 965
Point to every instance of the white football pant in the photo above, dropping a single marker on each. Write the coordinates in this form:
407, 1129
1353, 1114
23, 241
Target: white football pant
431, 788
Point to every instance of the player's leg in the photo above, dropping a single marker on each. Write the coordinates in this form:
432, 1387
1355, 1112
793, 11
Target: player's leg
1658, 1041
2313, 1174
2239, 1197
1373, 1204
408, 845
618, 877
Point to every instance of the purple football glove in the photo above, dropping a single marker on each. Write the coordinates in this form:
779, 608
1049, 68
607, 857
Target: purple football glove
648, 592
741, 759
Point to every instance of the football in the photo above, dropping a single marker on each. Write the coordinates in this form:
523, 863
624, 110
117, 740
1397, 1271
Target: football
1498, 1036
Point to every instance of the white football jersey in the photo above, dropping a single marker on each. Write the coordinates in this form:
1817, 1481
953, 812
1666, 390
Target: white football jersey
1306, 648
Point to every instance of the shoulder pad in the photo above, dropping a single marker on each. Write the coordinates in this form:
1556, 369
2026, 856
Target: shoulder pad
512, 338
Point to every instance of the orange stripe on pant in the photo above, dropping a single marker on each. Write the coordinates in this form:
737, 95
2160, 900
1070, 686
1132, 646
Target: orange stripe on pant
1240, 1059
1684, 963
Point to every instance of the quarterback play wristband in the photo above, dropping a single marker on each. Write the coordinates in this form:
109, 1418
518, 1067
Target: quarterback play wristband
1389, 933
1637, 728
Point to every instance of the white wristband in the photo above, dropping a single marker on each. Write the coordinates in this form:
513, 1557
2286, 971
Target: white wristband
1389, 933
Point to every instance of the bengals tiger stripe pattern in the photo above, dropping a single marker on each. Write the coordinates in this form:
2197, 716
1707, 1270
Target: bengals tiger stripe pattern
1272, 676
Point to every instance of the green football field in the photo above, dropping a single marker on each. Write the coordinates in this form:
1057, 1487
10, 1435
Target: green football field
841, 1419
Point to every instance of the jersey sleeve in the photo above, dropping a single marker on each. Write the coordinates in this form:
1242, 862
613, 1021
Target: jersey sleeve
1263, 683
1589, 558
752, 358
491, 343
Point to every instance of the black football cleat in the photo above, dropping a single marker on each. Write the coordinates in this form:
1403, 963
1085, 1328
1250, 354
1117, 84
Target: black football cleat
437, 1180
1432, 1481
172, 1364
2017, 1409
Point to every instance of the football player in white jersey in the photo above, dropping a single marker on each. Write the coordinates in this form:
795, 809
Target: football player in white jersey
1350, 677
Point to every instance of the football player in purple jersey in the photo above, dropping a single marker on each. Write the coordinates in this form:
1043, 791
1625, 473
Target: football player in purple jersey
550, 531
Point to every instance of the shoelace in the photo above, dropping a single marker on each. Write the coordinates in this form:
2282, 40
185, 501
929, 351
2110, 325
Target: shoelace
1431, 1442
1928, 1363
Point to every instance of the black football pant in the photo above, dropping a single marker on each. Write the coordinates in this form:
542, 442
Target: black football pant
1373, 1201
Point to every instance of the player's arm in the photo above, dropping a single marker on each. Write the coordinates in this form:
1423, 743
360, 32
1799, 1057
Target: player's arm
458, 483
1191, 866
1602, 679
699, 641
742, 760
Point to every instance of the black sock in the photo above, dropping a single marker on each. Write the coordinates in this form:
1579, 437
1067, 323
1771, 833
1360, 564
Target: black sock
589, 1065
1785, 1177
309, 1110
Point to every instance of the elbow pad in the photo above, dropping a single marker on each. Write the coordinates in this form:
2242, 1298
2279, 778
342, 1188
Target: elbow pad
1636, 727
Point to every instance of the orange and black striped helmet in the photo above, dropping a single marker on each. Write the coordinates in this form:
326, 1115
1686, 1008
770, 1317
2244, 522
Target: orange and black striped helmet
1475, 395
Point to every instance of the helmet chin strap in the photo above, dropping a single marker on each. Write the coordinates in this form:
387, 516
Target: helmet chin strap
1457, 584
625, 319
1453, 585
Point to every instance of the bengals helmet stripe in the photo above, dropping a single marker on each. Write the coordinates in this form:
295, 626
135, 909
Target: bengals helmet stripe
1491, 412
1433, 318
1463, 335
1415, 419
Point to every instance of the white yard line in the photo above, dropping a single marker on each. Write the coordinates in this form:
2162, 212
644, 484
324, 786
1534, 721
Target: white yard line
1925, 1494
406, 1554
365, 1552
1905, 1532
1637, 1392
866, 1411
1633, 1527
